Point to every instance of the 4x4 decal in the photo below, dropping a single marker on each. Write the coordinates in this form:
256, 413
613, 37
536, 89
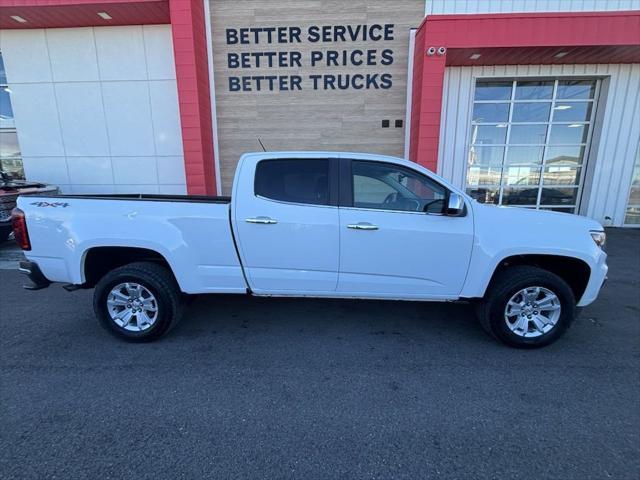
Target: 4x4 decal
50, 204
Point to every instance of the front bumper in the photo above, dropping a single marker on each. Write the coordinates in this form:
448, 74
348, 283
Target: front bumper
32, 270
596, 280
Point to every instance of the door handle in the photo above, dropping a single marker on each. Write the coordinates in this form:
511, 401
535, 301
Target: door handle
362, 226
261, 220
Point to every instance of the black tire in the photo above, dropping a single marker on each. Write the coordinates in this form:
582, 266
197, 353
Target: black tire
491, 310
155, 278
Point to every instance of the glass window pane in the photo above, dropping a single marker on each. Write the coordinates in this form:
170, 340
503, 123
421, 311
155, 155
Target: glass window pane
528, 134
568, 154
524, 155
534, 90
572, 112
559, 196
294, 180
561, 175
6, 113
406, 190
531, 112
490, 112
519, 196
3, 73
484, 175
489, 134
485, 195
493, 90
13, 167
479, 155
572, 133
633, 215
568, 89
634, 195
521, 176
9, 144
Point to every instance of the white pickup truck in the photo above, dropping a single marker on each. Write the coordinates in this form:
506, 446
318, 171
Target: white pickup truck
317, 224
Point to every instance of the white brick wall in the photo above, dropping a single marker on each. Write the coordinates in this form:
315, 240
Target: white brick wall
96, 109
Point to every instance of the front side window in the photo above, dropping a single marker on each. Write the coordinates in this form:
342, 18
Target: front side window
386, 186
294, 180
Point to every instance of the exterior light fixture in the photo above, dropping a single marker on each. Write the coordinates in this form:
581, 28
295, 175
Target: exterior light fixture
574, 125
561, 54
475, 56
562, 107
104, 15
18, 19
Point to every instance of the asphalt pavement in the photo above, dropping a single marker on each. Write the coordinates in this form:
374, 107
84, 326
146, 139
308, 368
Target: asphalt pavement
298, 388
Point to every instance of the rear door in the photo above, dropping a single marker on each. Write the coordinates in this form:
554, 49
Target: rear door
287, 225
394, 240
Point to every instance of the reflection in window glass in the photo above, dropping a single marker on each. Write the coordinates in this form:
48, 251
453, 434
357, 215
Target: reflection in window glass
558, 196
479, 155
531, 112
6, 113
564, 154
9, 144
490, 112
493, 90
528, 134
534, 90
10, 161
574, 89
481, 175
489, 134
524, 155
541, 164
632, 216
519, 196
572, 133
561, 175
572, 111
485, 195
3, 73
521, 176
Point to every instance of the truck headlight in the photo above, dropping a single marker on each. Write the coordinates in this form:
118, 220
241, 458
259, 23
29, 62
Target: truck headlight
600, 238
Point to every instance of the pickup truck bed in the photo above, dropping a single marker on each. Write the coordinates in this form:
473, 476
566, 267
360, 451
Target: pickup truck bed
191, 233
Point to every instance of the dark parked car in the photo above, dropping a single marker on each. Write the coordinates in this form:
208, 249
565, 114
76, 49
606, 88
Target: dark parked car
9, 191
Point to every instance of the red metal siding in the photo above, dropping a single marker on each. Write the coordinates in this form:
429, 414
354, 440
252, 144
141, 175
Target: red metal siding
192, 74
82, 13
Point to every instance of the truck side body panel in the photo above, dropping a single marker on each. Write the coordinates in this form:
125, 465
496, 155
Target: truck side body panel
194, 237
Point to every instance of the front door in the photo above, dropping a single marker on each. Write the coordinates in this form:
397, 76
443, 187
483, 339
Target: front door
394, 241
288, 228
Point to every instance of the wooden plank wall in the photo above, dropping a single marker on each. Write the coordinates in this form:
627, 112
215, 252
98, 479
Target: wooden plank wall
308, 119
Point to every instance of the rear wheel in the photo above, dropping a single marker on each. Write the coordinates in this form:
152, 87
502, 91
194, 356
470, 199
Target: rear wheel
138, 302
527, 307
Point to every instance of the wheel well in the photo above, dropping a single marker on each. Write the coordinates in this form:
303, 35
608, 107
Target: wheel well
99, 261
572, 270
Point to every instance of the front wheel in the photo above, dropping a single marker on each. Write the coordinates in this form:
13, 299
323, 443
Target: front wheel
527, 307
138, 302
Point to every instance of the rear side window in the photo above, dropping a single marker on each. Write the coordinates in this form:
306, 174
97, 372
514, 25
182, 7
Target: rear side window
294, 180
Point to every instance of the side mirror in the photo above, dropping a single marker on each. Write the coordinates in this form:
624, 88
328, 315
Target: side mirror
455, 205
